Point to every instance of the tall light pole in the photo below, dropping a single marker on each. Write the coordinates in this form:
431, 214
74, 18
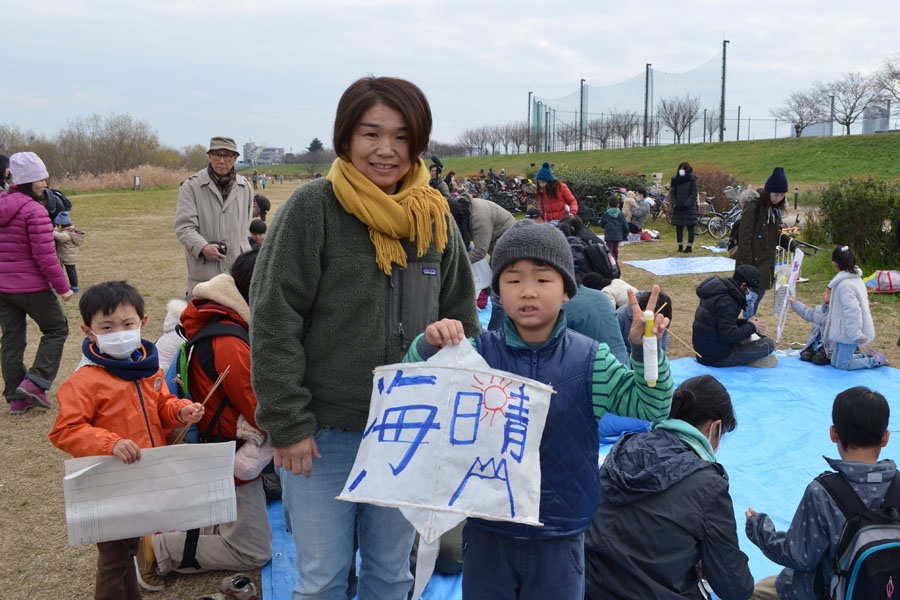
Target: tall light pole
528, 126
581, 119
722, 104
646, 100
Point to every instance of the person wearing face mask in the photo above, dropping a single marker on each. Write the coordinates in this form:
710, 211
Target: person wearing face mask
116, 403
760, 233
665, 520
684, 205
29, 274
719, 336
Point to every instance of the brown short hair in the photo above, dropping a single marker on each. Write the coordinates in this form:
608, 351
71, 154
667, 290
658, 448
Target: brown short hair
401, 95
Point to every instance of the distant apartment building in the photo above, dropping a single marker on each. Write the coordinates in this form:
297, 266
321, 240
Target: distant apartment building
262, 155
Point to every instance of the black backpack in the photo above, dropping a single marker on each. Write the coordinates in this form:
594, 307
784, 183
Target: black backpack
199, 347
868, 554
601, 260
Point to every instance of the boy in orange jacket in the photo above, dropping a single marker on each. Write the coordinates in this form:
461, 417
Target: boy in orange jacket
116, 402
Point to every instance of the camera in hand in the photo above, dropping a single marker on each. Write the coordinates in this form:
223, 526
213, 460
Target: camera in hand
223, 247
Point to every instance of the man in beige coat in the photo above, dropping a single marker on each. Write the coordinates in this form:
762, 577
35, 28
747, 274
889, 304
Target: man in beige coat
213, 215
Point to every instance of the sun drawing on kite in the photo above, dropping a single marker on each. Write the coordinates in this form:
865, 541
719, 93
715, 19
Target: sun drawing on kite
494, 394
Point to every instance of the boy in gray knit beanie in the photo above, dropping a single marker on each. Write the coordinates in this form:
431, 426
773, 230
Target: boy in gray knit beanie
534, 274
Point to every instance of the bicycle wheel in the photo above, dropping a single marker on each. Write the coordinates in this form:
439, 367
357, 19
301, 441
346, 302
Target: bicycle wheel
717, 226
703, 225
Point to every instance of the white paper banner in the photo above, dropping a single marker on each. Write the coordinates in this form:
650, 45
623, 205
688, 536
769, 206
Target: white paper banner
481, 273
173, 488
450, 438
786, 287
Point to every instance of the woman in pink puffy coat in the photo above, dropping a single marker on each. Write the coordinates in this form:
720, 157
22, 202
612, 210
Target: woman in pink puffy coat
29, 272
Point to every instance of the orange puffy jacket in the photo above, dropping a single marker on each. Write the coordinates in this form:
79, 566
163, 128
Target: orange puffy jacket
97, 409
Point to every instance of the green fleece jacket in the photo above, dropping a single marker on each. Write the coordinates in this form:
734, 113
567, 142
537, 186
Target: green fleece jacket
324, 315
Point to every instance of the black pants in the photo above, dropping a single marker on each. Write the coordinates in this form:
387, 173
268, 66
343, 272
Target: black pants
679, 234
73, 275
46, 311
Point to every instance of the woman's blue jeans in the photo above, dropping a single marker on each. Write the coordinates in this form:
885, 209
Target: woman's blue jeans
845, 358
322, 528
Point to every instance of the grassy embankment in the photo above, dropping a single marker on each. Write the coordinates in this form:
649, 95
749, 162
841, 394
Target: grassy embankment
807, 161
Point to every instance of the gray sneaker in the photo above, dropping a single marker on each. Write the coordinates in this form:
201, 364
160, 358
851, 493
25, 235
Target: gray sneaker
766, 362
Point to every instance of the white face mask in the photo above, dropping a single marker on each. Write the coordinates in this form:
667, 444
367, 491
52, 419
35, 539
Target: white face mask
119, 344
681, 172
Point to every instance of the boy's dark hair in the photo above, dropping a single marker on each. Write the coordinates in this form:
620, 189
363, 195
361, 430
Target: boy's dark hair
860, 417
566, 228
263, 204
242, 272
613, 201
595, 281
844, 258
701, 399
640, 191
258, 226
643, 297
106, 297
575, 221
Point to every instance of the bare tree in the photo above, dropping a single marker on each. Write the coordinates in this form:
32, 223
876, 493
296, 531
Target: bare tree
712, 123
518, 134
802, 109
599, 130
888, 77
624, 124
852, 94
567, 134
678, 113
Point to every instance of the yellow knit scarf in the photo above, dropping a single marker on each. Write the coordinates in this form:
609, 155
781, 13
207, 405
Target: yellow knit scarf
417, 212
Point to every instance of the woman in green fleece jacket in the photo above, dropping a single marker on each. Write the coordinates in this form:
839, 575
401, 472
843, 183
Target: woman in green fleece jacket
355, 265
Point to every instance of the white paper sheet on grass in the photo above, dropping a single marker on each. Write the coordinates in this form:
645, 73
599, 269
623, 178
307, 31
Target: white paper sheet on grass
173, 488
451, 438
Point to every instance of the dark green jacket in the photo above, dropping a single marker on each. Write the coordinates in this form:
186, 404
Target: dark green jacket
324, 315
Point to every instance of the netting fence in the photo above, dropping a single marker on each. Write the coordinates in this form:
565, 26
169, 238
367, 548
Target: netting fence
680, 108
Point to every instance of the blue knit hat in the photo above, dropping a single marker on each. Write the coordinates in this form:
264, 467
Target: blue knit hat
777, 182
545, 174
63, 218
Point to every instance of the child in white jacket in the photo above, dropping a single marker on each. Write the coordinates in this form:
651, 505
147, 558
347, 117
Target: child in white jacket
849, 321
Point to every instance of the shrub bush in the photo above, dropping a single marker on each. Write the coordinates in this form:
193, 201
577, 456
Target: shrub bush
712, 182
863, 213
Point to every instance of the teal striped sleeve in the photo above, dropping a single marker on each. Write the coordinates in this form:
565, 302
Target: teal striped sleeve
420, 350
624, 392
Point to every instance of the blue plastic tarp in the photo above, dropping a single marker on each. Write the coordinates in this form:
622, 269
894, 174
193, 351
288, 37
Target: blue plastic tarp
684, 266
783, 416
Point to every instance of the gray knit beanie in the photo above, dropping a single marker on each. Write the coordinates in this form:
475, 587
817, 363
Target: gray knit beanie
535, 241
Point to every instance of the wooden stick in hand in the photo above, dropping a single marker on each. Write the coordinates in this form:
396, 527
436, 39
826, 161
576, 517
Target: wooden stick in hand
203, 404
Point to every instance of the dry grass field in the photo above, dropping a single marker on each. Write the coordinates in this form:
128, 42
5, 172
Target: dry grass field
130, 236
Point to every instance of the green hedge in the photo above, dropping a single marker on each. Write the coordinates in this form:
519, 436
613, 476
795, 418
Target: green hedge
863, 213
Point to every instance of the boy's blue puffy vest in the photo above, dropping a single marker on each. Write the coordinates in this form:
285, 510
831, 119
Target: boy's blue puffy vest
570, 486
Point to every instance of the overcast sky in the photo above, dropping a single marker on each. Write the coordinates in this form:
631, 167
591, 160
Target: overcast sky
273, 71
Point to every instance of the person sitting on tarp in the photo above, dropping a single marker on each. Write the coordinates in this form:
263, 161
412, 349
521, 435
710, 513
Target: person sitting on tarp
809, 548
665, 520
814, 351
719, 336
